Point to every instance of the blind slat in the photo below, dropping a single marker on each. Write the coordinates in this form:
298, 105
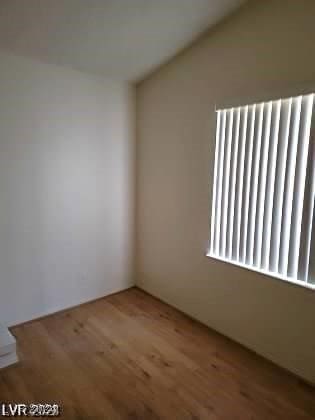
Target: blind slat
271, 180
289, 187
226, 179
247, 178
215, 182
307, 218
240, 181
254, 185
283, 142
299, 184
219, 184
262, 185
234, 156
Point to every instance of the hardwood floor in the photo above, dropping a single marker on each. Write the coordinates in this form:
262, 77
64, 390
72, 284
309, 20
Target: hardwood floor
130, 356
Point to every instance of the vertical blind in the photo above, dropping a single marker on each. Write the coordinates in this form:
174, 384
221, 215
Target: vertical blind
264, 188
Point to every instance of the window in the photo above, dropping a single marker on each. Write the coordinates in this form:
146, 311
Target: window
264, 188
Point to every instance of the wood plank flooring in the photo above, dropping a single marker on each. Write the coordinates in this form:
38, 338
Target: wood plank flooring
130, 356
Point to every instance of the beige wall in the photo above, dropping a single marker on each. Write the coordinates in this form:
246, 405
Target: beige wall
266, 45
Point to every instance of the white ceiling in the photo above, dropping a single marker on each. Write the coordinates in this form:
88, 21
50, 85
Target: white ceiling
124, 39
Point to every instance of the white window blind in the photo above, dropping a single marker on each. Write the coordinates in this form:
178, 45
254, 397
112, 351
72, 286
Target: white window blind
264, 188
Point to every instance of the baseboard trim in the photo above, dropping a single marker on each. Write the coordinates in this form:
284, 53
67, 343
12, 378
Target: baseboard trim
8, 360
40, 318
299, 378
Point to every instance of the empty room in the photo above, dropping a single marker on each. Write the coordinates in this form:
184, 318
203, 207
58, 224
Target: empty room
157, 232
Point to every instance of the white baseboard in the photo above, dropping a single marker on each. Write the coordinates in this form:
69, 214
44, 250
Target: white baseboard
8, 359
8, 354
7, 341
